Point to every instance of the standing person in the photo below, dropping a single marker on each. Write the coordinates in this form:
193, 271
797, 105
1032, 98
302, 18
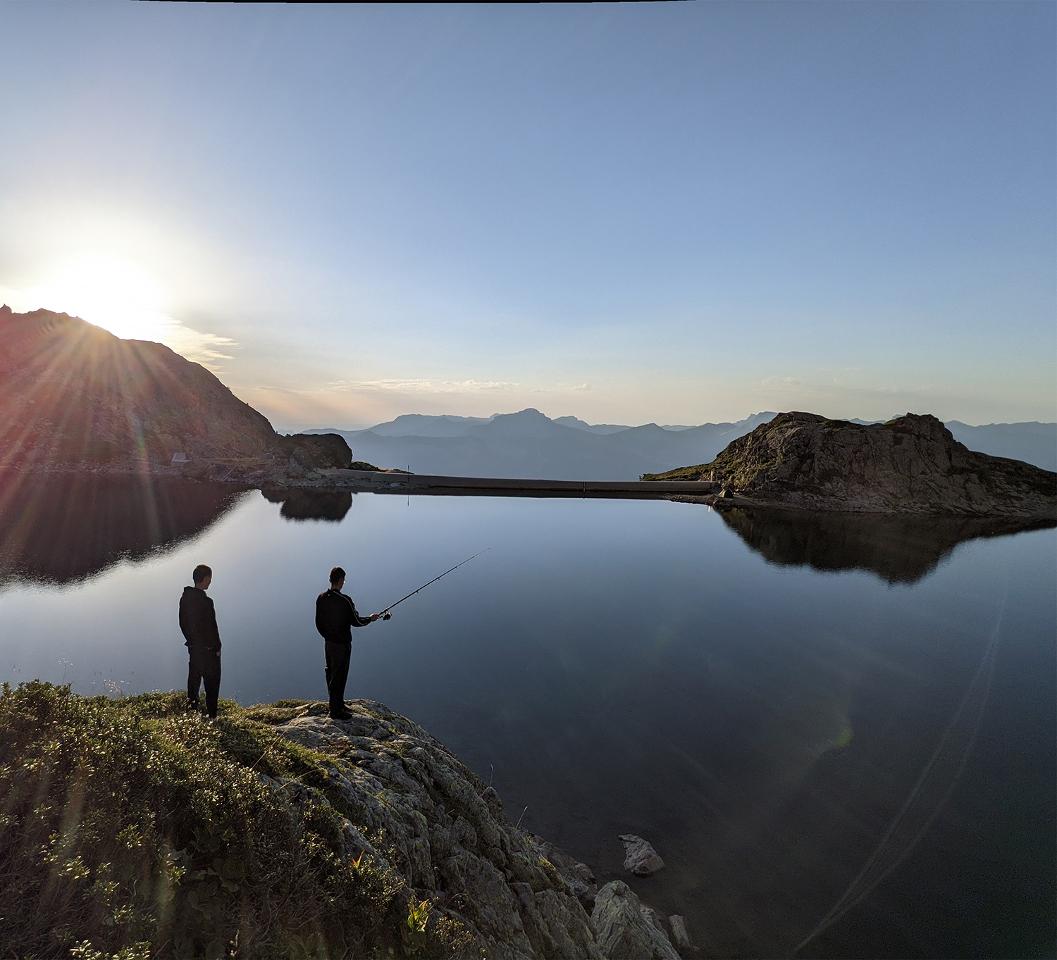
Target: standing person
198, 621
335, 617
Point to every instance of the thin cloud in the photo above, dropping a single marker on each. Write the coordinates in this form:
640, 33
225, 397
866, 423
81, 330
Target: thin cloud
208, 349
426, 385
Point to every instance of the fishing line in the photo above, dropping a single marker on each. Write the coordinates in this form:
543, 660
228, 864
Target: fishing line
385, 610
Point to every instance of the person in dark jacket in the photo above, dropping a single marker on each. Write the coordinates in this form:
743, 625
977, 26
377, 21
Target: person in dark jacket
198, 622
335, 617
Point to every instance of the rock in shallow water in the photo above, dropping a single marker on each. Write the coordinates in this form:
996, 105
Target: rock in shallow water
679, 932
623, 928
639, 856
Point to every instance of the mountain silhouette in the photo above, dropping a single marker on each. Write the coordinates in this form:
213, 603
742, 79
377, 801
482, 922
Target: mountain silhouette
529, 444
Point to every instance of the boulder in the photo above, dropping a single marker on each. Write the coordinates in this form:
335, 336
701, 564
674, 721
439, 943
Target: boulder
639, 856
623, 931
679, 933
316, 451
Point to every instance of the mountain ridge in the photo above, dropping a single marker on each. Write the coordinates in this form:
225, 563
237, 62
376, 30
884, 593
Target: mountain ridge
578, 450
527, 443
72, 393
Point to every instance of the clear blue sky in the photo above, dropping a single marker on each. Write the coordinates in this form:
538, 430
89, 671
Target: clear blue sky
669, 212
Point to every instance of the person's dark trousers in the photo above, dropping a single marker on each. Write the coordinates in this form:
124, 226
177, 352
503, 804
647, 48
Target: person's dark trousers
337, 673
203, 666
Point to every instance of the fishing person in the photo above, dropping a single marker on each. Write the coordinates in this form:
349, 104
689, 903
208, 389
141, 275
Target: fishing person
335, 617
198, 623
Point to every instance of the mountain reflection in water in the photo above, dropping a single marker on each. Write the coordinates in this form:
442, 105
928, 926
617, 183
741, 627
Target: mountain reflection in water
65, 528
899, 549
311, 504
819, 759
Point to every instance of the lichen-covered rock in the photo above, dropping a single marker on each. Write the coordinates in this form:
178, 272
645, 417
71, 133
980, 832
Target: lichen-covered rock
623, 930
580, 877
443, 829
911, 464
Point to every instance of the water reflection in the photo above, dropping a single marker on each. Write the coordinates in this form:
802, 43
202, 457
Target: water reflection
791, 742
900, 549
310, 504
69, 528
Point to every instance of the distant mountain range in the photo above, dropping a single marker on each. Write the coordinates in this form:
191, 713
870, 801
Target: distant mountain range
530, 444
1032, 442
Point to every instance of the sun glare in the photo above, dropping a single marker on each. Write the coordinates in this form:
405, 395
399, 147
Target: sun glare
110, 292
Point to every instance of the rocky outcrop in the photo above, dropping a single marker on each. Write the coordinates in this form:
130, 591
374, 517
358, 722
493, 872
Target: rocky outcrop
414, 806
316, 451
626, 929
910, 464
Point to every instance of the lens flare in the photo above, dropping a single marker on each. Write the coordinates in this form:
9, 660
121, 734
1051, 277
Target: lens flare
110, 292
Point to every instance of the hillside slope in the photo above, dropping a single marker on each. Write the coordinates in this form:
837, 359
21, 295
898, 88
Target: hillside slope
72, 393
910, 464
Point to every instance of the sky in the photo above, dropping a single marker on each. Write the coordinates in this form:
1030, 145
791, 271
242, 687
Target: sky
670, 212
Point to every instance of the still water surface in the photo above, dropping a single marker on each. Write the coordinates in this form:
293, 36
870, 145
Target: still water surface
811, 719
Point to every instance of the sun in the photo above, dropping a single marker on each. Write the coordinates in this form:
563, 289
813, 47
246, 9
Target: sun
111, 292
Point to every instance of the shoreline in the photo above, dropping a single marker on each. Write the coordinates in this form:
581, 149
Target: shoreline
396, 847
399, 483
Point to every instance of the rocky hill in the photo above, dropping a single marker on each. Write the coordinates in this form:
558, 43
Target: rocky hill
911, 464
72, 393
138, 829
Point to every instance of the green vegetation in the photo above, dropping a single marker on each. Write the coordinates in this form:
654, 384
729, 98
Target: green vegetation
698, 472
135, 828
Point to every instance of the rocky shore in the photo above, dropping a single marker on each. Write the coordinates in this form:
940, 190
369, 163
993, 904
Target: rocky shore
515, 894
278, 831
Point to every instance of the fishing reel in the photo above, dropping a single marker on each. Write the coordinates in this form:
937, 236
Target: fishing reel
387, 616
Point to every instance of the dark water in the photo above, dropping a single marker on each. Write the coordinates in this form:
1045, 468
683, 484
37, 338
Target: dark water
823, 725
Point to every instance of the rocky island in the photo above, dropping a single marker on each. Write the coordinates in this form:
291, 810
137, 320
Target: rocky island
135, 828
911, 465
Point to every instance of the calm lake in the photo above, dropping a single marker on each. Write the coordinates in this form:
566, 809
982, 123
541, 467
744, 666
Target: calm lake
828, 725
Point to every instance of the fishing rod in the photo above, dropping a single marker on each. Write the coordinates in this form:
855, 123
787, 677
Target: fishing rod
385, 612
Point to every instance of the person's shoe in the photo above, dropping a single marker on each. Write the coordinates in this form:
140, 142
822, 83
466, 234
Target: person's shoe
344, 715
191, 704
